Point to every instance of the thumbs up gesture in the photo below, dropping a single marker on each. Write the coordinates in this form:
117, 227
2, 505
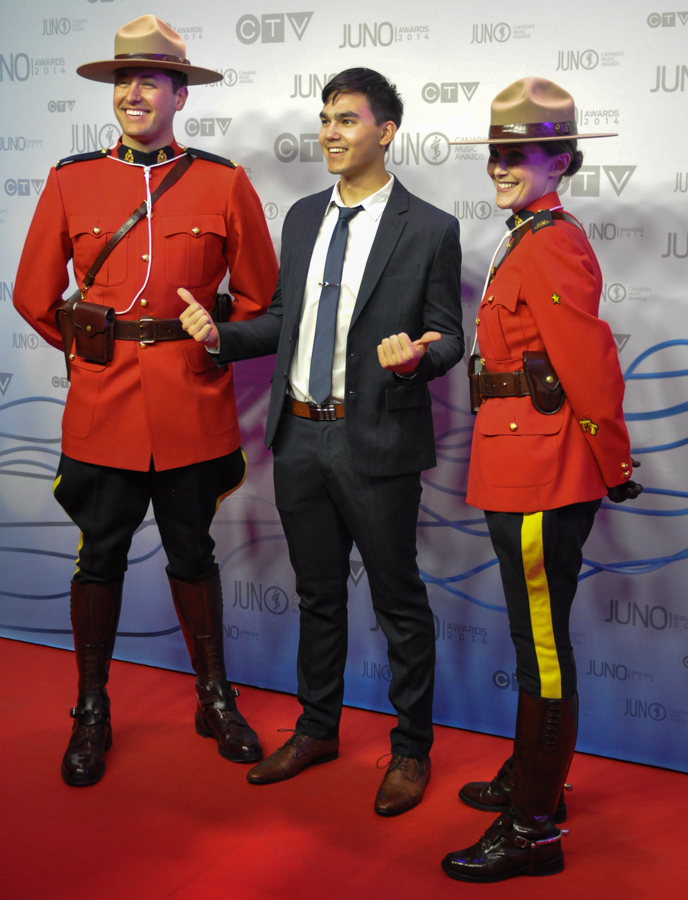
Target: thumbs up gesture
197, 321
400, 354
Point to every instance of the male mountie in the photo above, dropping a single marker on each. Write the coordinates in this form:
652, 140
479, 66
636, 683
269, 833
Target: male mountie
148, 415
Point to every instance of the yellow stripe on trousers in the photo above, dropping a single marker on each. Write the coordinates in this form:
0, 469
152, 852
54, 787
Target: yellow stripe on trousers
532, 551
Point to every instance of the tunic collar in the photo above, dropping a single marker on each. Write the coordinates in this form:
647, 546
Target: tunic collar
548, 201
140, 158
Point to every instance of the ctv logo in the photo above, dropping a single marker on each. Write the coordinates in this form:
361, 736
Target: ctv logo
270, 28
448, 91
586, 182
21, 187
306, 147
206, 127
666, 20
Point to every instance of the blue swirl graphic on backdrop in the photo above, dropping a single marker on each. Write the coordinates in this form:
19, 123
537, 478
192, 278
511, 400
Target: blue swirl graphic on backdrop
448, 443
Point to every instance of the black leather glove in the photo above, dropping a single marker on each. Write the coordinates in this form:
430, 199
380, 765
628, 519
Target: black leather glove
627, 491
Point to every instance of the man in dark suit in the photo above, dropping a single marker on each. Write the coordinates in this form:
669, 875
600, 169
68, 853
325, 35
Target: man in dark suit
366, 312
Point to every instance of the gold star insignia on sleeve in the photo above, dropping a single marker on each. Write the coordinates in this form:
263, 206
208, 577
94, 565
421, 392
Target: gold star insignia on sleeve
556, 299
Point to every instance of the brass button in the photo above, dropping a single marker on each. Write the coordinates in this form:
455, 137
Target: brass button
88, 328
482, 361
71, 356
142, 345
513, 426
477, 321
550, 379
195, 230
490, 299
96, 230
144, 302
145, 257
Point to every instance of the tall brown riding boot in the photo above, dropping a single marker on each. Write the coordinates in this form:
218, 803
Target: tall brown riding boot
95, 612
494, 796
525, 840
199, 608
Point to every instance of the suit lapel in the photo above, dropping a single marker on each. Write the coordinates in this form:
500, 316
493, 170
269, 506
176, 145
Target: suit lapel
389, 231
303, 245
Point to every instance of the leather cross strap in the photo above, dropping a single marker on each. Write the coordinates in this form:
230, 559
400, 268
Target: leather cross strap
170, 179
149, 331
523, 230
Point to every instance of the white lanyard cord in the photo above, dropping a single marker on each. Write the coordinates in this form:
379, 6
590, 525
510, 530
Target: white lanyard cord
494, 257
149, 208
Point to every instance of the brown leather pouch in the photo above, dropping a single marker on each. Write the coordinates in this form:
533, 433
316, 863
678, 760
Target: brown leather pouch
546, 392
474, 369
94, 327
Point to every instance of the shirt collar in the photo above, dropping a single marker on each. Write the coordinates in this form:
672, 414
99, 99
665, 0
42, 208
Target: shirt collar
140, 158
374, 204
548, 201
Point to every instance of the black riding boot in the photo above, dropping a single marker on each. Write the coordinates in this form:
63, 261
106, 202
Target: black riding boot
524, 840
95, 612
199, 608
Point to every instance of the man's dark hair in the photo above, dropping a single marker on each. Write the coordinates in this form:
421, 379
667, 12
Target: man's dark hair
177, 79
382, 96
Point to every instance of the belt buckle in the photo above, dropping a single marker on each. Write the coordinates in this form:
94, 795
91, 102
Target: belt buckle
142, 339
324, 413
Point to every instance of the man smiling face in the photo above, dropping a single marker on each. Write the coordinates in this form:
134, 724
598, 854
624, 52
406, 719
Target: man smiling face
145, 103
352, 141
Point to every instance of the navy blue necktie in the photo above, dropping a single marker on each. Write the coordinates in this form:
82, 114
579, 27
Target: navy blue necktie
320, 380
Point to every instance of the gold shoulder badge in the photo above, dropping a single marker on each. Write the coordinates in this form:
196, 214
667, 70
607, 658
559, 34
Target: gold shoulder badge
129, 156
556, 299
162, 156
588, 425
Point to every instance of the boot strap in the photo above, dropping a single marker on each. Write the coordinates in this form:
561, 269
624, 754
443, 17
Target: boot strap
522, 842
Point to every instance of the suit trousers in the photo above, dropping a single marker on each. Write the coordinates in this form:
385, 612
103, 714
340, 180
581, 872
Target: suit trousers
325, 505
109, 504
540, 556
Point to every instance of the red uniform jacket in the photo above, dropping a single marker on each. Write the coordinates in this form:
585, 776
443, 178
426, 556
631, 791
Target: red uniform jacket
545, 296
168, 401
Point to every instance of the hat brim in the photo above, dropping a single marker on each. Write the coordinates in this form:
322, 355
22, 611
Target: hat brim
104, 70
534, 140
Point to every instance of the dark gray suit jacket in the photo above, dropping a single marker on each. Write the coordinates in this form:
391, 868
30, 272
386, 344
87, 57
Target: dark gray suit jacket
411, 283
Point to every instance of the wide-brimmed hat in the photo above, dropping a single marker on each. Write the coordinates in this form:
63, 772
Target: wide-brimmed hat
149, 43
532, 110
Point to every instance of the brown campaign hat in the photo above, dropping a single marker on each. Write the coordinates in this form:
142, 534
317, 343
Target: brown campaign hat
532, 110
149, 43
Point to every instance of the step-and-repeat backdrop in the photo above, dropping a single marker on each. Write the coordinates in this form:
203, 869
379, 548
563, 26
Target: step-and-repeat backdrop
628, 70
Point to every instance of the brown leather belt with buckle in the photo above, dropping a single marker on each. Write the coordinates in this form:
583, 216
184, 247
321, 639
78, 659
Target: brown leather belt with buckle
149, 331
317, 413
503, 384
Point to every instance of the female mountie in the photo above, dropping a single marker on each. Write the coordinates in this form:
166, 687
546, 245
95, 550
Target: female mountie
549, 443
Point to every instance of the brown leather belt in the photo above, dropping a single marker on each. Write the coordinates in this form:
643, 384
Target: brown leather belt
149, 331
317, 413
503, 384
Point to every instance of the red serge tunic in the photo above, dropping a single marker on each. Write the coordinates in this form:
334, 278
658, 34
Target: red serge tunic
545, 296
167, 400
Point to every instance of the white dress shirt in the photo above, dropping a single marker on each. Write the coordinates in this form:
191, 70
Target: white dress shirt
362, 230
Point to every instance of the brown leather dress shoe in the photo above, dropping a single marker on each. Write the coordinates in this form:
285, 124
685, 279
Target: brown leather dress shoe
218, 717
403, 786
494, 796
299, 752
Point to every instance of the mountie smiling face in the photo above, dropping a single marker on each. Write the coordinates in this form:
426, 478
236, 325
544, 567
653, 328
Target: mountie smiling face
522, 173
145, 103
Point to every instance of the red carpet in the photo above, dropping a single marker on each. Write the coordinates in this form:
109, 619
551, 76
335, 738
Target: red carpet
172, 819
